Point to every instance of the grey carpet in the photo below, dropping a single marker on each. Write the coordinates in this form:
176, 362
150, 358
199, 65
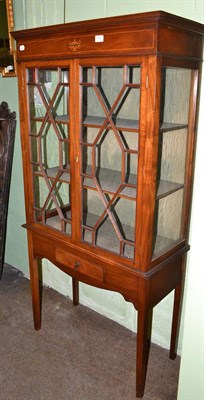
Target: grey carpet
77, 355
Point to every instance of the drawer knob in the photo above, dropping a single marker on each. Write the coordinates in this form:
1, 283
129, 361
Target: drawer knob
76, 265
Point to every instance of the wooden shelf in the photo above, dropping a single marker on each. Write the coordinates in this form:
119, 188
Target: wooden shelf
52, 173
166, 187
168, 127
128, 124
110, 180
120, 123
60, 119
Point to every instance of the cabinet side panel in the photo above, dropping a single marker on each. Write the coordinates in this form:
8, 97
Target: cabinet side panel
176, 42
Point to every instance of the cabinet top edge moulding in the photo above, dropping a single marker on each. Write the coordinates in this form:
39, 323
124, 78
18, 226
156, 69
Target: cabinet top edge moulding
101, 36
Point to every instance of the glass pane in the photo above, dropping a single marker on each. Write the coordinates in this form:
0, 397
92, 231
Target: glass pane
169, 213
175, 96
48, 92
52, 209
113, 229
109, 146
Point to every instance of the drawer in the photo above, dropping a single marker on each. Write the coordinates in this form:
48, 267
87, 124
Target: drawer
79, 265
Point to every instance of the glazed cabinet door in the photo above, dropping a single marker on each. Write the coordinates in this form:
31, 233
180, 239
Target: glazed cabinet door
110, 94
48, 93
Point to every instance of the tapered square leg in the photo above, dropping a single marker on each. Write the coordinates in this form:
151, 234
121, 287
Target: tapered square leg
178, 297
144, 327
75, 291
35, 285
175, 321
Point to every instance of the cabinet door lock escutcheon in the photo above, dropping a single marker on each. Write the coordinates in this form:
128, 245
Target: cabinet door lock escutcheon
76, 265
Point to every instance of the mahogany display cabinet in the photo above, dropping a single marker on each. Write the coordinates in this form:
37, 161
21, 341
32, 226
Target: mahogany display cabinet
108, 114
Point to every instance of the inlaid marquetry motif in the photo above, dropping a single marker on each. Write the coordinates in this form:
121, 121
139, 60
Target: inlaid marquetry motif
74, 45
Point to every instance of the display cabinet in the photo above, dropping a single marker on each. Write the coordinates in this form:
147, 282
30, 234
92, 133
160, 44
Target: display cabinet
108, 115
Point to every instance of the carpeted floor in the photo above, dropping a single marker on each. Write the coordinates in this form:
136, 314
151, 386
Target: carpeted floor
77, 355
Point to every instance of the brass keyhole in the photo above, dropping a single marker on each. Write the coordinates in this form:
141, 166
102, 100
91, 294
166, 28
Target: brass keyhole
76, 265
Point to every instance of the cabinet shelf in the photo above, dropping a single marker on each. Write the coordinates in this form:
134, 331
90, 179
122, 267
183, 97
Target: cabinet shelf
166, 187
128, 124
120, 123
52, 173
60, 119
110, 180
169, 126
